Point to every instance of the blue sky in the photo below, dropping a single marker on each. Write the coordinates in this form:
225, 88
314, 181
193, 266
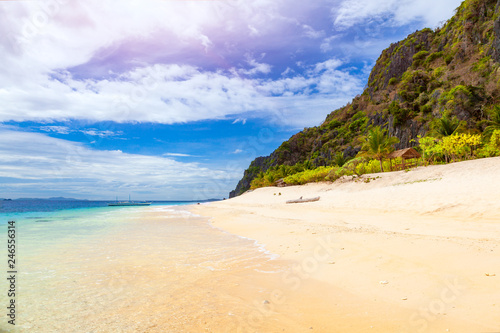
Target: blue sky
173, 99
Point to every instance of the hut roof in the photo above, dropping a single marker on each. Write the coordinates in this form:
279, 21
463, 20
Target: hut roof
404, 153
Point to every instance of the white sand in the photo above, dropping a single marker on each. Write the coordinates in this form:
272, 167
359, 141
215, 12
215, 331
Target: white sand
413, 251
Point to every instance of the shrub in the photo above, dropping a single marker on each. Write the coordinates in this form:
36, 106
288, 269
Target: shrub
372, 166
421, 55
431, 148
339, 159
438, 72
309, 176
456, 146
348, 169
422, 99
357, 124
459, 146
334, 124
272, 175
448, 59
400, 114
433, 57
413, 83
482, 66
492, 148
427, 108
458, 95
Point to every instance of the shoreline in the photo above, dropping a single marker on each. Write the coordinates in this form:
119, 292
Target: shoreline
408, 251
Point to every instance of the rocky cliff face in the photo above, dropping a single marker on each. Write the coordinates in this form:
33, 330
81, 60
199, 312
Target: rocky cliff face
258, 165
454, 70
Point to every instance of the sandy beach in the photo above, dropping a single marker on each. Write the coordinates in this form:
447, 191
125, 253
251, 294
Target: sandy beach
414, 251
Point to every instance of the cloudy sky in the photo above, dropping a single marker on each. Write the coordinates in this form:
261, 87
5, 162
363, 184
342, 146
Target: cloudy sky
173, 99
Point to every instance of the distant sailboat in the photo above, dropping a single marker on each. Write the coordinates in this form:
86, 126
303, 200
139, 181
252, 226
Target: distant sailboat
129, 203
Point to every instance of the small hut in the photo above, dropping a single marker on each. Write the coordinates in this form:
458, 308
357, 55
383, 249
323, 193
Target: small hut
406, 154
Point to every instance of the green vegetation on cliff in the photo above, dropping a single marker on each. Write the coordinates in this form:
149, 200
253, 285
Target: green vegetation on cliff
433, 83
454, 147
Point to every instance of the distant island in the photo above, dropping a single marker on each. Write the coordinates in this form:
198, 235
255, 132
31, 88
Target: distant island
52, 199
73, 199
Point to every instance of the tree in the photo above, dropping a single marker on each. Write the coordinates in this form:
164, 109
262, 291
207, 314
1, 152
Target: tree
431, 147
494, 121
458, 146
445, 126
377, 144
339, 159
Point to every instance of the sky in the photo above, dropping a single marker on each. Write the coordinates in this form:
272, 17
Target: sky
172, 99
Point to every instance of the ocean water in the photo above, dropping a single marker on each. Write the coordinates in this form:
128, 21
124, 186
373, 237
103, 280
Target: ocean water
14, 207
86, 267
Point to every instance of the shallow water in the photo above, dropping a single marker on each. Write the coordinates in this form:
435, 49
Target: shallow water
139, 269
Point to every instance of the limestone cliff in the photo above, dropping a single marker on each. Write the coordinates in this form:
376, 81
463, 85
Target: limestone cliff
452, 70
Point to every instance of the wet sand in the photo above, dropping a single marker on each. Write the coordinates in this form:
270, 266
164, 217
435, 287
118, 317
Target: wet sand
415, 251
152, 270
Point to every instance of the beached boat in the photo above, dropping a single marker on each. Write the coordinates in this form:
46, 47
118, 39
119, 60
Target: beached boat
129, 203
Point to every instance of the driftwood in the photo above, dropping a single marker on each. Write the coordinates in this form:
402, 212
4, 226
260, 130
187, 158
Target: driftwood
299, 200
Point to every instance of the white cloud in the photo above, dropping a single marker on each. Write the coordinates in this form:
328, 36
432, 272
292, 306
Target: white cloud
287, 71
101, 134
327, 44
40, 48
44, 45
237, 151
329, 66
90, 131
243, 121
56, 129
175, 94
253, 31
257, 68
177, 155
400, 12
71, 33
311, 33
71, 169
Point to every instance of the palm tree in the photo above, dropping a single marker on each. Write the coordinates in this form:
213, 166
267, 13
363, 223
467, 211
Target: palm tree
377, 144
445, 126
494, 122
339, 159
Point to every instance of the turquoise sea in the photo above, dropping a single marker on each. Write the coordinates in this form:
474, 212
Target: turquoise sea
82, 266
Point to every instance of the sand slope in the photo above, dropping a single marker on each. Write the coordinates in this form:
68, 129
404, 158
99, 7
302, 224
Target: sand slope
413, 251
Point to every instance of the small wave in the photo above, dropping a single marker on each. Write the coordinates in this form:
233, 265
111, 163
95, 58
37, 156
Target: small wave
182, 213
162, 209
